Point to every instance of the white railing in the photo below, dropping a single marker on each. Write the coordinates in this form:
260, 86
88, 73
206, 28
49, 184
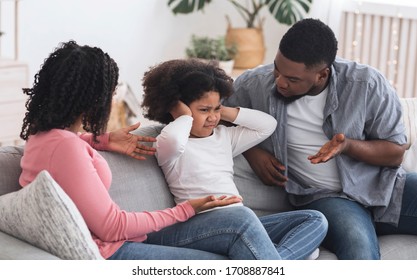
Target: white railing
385, 37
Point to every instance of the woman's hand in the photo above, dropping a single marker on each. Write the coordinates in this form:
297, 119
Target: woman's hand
122, 141
209, 202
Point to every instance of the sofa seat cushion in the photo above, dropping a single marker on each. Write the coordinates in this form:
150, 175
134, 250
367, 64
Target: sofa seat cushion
398, 247
16, 249
262, 199
392, 247
43, 215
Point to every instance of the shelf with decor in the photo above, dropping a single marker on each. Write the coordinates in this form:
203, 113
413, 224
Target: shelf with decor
14, 75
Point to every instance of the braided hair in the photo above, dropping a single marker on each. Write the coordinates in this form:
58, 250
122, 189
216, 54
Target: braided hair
73, 81
180, 79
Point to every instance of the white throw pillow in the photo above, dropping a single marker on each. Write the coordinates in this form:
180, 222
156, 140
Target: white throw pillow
43, 215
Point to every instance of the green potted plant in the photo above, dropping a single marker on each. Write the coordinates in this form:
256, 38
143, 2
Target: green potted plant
213, 49
284, 11
249, 40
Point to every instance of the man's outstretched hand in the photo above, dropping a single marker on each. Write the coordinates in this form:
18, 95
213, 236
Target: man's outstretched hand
329, 150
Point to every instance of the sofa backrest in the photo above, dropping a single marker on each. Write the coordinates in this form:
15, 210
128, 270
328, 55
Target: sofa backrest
140, 185
409, 106
137, 185
10, 168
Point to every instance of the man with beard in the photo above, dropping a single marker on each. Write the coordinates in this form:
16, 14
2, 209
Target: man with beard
339, 141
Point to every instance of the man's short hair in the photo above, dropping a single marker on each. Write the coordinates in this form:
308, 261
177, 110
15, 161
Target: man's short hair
309, 41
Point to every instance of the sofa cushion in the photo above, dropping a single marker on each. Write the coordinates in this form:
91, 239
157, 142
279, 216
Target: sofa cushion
262, 199
409, 106
410, 158
391, 247
16, 249
398, 247
137, 185
43, 215
10, 168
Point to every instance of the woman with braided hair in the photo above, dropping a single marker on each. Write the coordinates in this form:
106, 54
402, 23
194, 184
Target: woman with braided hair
74, 90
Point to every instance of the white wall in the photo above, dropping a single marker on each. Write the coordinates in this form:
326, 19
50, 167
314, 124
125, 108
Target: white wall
136, 33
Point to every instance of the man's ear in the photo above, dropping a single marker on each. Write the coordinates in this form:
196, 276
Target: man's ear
323, 75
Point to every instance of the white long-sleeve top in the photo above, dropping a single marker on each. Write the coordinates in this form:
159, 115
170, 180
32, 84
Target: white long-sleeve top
197, 167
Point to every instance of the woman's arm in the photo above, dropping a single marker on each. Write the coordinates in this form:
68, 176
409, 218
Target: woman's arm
122, 141
83, 174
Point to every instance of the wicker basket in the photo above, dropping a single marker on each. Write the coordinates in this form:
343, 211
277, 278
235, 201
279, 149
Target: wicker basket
250, 46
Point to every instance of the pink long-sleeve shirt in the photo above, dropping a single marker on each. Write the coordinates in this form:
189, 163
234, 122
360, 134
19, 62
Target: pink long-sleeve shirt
74, 163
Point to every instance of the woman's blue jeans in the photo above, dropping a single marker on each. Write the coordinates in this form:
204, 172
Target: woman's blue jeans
352, 234
233, 233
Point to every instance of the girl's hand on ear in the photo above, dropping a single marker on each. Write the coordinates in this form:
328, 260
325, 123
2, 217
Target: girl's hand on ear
180, 109
229, 114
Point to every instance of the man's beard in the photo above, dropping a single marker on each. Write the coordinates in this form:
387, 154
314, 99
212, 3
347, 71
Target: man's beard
288, 99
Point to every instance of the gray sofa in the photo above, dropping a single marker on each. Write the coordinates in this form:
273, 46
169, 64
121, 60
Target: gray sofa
140, 185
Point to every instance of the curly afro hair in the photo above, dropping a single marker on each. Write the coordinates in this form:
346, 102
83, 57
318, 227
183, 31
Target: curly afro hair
311, 42
73, 81
180, 79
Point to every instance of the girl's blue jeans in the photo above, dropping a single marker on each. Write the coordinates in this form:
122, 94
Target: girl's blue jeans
233, 233
352, 234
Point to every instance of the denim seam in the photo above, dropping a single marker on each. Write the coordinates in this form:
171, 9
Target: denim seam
204, 236
220, 232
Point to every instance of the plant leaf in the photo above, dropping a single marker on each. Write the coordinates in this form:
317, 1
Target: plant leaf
187, 6
288, 11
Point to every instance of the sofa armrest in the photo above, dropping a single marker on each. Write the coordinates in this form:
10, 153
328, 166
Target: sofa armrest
409, 106
16, 249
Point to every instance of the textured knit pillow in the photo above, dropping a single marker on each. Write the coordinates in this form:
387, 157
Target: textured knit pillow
43, 215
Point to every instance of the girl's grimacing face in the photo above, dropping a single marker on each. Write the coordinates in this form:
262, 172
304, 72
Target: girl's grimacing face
206, 113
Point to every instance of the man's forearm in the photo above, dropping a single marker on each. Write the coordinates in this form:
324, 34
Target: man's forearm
375, 152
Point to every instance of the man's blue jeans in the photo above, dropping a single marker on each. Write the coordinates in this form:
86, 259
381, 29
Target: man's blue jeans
233, 233
352, 234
